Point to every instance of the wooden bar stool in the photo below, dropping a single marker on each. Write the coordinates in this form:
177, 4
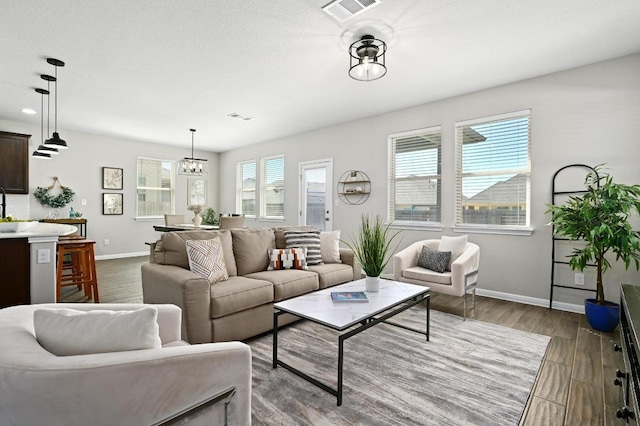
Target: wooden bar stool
81, 268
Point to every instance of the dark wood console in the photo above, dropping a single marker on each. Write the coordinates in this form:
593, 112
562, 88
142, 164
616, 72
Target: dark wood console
628, 376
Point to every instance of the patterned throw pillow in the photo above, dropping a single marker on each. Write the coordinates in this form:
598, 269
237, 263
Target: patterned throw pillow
207, 259
294, 258
435, 260
308, 239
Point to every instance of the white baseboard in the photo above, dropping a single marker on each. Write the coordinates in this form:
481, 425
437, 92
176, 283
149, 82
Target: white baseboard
122, 255
569, 307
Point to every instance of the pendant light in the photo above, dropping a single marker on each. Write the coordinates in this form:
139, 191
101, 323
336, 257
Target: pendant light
367, 59
55, 141
43, 152
190, 166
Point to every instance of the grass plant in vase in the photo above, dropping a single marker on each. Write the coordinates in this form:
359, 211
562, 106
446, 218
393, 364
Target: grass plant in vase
196, 209
600, 220
372, 247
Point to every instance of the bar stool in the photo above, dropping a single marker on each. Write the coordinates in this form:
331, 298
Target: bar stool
82, 267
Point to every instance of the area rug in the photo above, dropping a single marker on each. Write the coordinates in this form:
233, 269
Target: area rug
469, 373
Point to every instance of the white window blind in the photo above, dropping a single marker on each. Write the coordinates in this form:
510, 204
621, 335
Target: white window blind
155, 190
415, 176
493, 170
272, 187
246, 188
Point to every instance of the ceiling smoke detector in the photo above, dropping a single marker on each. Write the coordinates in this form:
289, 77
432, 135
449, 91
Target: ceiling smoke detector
341, 10
240, 116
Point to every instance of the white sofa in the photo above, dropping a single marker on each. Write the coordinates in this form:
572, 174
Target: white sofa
210, 382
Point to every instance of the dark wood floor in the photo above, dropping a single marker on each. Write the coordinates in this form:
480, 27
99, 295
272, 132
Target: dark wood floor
574, 386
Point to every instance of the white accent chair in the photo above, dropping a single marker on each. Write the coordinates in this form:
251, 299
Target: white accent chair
462, 278
174, 219
176, 384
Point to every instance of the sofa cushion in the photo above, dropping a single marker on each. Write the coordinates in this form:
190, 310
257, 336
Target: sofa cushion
455, 245
330, 246
279, 233
66, 332
207, 259
308, 239
435, 260
238, 294
250, 247
288, 283
171, 248
294, 258
422, 274
330, 274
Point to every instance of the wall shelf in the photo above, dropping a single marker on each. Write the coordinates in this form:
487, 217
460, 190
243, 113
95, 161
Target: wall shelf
354, 187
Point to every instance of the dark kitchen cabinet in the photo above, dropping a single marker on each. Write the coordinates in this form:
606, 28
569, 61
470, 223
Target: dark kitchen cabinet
14, 162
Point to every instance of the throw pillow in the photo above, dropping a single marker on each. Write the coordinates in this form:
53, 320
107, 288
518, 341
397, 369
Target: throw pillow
66, 332
294, 258
330, 247
455, 245
434, 260
250, 249
308, 239
207, 259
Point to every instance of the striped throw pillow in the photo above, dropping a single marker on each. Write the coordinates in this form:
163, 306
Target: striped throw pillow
308, 239
280, 259
207, 259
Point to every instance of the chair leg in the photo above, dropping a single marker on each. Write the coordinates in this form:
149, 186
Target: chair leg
464, 314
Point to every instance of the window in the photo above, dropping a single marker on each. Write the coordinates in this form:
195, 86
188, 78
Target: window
272, 187
155, 187
493, 171
246, 188
415, 176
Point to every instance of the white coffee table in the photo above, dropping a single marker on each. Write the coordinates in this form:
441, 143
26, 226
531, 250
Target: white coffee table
394, 297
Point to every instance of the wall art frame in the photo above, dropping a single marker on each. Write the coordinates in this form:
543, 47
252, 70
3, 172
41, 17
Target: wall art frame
196, 191
112, 178
112, 203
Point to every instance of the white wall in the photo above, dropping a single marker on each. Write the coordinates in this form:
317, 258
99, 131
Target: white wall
80, 168
586, 115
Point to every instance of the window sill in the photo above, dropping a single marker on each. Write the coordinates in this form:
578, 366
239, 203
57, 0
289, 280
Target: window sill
148, 218
417, 226
496, 230
270, 219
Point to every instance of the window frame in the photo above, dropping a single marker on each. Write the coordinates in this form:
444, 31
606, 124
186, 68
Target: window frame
263, 189
172, 189
459, 175
240, 188
391, 180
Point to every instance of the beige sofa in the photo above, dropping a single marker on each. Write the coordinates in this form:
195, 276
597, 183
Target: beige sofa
138, 387
242, 306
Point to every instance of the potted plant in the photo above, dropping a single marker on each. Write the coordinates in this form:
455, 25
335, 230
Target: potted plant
371, 247
196, 209
600, 219
210, 217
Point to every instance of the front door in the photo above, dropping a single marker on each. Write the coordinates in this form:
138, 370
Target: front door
316, 194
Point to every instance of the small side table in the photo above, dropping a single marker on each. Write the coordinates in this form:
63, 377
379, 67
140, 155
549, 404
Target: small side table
81, 223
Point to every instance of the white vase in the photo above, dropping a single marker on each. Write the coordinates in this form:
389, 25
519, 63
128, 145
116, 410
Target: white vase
372, 284
197, 220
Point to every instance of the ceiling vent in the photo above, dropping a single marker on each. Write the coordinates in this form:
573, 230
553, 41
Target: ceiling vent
240, 116
341, 10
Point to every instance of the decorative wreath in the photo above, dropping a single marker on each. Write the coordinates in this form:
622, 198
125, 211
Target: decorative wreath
60, 200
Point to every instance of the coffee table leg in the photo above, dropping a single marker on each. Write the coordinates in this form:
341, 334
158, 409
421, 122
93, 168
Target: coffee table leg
428, 315
340, 364
275, 339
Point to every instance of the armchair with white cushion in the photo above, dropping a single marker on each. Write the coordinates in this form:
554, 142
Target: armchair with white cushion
459, 276
172, 383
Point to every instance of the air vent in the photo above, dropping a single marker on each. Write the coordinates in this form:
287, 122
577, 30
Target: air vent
240, 116
341, 10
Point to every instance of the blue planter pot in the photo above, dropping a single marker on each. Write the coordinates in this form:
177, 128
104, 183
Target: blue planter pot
602, 317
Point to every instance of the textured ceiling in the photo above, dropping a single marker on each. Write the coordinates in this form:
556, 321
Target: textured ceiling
150, 70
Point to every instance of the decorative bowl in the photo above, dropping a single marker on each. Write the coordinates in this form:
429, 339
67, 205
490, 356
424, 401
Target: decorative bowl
17, 226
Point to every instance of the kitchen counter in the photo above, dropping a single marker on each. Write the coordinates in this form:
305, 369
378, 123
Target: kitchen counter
42, 230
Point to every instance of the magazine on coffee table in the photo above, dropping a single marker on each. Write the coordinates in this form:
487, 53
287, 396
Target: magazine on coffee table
349, 296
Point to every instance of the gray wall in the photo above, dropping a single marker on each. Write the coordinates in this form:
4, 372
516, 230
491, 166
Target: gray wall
586, 115
80, 168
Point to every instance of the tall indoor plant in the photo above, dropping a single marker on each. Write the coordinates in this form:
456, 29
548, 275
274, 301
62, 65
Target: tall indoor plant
600, 218
371, 246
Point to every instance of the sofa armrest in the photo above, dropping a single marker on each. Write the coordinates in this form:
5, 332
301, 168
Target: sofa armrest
468, 262
123, 388
347, 256
183, 288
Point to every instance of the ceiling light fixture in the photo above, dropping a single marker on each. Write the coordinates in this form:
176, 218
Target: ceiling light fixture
190, 166
43, 152
55, 141
367, 59
29, 111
